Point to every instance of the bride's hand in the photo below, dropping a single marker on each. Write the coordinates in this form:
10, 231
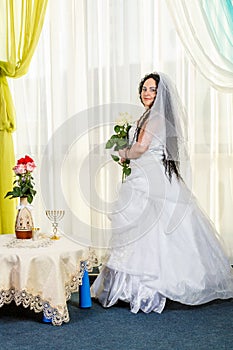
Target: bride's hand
122, 154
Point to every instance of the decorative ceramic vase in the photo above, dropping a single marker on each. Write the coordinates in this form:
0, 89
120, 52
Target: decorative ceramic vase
24, 221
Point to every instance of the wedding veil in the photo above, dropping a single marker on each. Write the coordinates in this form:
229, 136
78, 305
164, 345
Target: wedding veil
167, 122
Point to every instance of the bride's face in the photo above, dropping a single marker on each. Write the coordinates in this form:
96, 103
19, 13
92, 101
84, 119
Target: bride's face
148, 93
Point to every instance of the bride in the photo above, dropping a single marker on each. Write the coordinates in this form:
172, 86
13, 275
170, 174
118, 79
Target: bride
163, 245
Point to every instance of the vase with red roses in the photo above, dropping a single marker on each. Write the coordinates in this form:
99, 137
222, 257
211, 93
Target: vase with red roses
24, 189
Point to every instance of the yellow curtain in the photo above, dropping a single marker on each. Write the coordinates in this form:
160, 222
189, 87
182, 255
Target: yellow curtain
20, 28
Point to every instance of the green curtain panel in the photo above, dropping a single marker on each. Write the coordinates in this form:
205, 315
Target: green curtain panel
219, 19
21, 24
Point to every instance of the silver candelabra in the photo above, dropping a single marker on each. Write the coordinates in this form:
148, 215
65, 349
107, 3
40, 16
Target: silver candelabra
55, 216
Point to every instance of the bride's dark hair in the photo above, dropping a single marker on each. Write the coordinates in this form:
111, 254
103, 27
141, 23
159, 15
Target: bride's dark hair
171, 166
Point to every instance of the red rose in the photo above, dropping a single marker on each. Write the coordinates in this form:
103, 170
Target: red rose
21, 161
25, 160
28, 160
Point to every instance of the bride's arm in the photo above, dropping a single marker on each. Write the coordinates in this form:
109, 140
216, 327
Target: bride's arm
141, 146
134, 152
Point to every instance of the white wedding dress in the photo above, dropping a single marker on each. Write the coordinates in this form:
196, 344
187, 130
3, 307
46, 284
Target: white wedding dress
163, 245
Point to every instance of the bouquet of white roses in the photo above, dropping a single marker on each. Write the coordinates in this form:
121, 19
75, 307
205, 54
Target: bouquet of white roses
118, 141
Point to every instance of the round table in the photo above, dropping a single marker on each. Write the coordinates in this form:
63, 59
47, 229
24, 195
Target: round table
41, 274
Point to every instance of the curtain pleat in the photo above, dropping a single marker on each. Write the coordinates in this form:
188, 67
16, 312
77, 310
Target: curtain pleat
202, 36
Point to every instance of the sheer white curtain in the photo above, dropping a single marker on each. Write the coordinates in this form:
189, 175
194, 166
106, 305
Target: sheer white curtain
85, 72
205, 29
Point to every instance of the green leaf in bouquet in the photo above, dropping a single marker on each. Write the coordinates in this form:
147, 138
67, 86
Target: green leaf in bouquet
29, 198
122, 143
117, 128
10, 193
123, 134
25, 190
119, 141
115, 158
17, 192
109, 144
33, 192
126, 171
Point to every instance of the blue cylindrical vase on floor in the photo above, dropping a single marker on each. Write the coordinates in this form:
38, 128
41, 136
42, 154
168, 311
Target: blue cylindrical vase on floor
84, 292
46, 320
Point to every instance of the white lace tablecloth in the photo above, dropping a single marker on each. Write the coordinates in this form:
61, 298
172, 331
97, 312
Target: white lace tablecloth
40, 274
